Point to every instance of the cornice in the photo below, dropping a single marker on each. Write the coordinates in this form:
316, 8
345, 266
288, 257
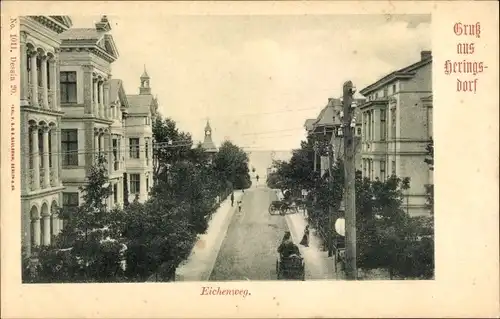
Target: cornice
50, 23
49, 112
89, 48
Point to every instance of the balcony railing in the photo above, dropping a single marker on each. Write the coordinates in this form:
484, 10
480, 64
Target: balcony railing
52, 104
52, 178
40, 96
30, 93
31, 180
42, 178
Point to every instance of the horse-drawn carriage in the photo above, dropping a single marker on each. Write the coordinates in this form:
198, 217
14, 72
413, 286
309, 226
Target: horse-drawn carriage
282, 207
290, 267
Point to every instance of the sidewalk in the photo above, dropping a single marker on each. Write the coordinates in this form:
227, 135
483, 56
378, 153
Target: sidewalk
318, 264
201, 261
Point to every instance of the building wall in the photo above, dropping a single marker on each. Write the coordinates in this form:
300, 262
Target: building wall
40, 113
404, 153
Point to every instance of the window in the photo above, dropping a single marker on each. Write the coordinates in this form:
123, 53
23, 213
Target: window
382, 171
115, 193
40, 148
393, 123
39, 70
68, 87
147, 183
383, 130
393, 88
70, 200
69, 147
386, 91
393, 167
50, 150
135, 183
134, 147
146, 150
30, 146
115, 154
358, 131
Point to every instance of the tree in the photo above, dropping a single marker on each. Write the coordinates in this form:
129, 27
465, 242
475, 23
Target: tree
429, 188
87, 248
387, 236
170, 144
231, 163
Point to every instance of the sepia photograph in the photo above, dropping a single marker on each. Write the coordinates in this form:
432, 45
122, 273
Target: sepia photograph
249, 159
320, 172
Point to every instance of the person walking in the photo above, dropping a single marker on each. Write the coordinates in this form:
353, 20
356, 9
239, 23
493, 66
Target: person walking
232, 199
239, 206
305, 238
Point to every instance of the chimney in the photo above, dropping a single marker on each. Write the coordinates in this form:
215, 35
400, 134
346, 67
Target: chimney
425, 55
103, 25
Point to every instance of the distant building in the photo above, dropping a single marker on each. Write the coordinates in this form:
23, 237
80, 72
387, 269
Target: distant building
41, 184
139, 141
85, 72
119, 109
326, 129
397, 125
208, 145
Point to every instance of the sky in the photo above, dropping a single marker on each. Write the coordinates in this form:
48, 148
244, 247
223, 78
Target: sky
258, 78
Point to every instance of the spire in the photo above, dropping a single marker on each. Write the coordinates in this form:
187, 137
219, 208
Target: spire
145, 73
145, 88
208, 144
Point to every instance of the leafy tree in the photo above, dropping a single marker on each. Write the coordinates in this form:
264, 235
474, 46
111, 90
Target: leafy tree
387, 237
86, 249
231, 164
170, 144
429, 189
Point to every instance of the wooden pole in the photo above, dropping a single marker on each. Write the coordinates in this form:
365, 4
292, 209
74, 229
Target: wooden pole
350, 177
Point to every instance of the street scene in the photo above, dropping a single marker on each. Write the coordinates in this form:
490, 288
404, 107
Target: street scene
239, 151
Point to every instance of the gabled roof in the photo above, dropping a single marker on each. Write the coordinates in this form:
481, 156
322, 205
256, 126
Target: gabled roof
309, 124
65, 20
96, 38
116, 91
141, 103
406, 72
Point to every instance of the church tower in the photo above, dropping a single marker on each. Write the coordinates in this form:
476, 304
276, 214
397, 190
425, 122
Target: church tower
208, 144
145, 88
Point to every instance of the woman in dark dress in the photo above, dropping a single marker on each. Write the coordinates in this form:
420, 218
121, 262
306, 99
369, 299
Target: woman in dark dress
305, 238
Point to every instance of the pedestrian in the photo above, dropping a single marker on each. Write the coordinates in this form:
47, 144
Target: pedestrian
232, 199
305, 238
239, 206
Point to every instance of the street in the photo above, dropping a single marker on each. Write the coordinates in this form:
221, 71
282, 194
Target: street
249, 250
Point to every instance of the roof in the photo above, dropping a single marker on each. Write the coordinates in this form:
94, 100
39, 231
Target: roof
140, 103
145, 73
309, 124
82, 34
405, 72
208, 144
114, 87
207, 127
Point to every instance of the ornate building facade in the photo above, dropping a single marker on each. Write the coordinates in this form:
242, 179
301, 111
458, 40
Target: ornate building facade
85, 72
139, 141
41, 186
397, 125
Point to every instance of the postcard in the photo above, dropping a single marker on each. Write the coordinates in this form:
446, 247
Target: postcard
249, 159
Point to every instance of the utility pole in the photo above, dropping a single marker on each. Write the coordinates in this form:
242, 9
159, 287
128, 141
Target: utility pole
350, 178
330, 208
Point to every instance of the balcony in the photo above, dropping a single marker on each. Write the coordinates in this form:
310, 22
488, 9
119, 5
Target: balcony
52, 178
31, 180
42, 178
40, 96
52, 103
